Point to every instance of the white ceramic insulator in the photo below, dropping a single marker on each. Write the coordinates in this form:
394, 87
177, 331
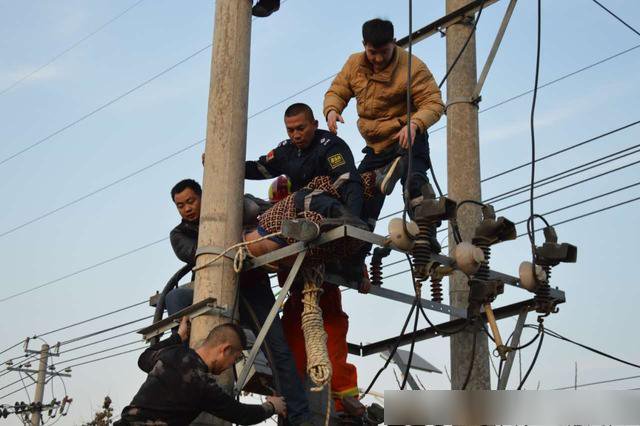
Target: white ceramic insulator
397, 235
526, 276
468, 257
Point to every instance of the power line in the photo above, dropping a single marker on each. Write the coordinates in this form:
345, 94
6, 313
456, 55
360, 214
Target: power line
106, 330
102, 188
617, 17
103, 106
13, 346
599, 383
97, 352
100, 341
553, 154
87, 268
563, 77
68, 49
92, 319
107, 357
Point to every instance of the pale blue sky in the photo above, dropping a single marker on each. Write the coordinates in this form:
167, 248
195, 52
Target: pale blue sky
301, 44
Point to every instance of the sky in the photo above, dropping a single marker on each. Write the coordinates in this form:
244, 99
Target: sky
302, 44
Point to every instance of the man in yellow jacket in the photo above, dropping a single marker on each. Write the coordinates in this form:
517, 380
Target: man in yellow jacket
377, 78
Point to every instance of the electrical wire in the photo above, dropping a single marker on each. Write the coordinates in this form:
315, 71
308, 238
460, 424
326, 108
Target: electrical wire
100, 189
589, 348
532, 234
98, 352
87, 268
553, 154
617, 17
92, 319
68, 49
464, 46
99, 341
100, 108
599, 383
107, 357
95, 333
533, 362
12, 346
392, 351
471, 360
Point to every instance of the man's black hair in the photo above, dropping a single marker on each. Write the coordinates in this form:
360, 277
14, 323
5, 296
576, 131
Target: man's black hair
184, 184
299, 108
221, 334
377, 32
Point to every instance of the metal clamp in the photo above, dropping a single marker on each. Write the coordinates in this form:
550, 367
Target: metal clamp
213, 250
463, 100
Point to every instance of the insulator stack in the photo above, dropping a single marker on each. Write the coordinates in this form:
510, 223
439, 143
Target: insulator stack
436, 289
422, 249
544, 302
483, 271
375, 271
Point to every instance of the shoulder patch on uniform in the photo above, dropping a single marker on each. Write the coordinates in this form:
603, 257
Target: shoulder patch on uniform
325, 141
270, 155
336, 160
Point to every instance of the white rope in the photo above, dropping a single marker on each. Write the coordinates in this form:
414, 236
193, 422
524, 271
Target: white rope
240, 256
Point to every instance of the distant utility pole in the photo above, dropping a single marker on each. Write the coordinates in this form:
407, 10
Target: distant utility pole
36, 416
223, 182
463, 175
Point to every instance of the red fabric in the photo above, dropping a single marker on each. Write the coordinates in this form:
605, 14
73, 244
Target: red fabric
344, 381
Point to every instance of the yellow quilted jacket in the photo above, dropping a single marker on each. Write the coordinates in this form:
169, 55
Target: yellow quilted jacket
381, 97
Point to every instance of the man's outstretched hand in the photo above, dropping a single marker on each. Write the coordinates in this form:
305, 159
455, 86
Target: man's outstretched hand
278, 404
332, 121
184, 329
402, 136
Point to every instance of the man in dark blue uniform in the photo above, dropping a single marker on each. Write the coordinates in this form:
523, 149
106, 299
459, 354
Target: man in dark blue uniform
308, 153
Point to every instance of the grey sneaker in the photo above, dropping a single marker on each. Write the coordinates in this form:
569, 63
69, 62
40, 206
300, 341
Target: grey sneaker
389, 175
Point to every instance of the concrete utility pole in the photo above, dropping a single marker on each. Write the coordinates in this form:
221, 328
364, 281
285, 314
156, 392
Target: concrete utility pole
223, 182
463, 175
36, 415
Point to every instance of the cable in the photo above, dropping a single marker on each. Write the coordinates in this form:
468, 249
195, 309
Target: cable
102, 106
24, 386
98, 352
471, 360
99, 341
13, 346
68, 49
95, 333
107, 357
100, 189
91, 319
617, 17
393, 350
589, 348
532, 234
87, 268
563, 77
533, 362
553, 154
464, 46
599, 383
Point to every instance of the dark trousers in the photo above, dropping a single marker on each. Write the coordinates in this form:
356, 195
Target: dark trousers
419, 166
255, 288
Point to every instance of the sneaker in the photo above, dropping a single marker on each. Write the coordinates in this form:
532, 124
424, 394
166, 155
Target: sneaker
264, 8
342, 216
389, 175
374, 414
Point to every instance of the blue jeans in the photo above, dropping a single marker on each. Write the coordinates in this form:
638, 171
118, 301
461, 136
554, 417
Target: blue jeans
255, 288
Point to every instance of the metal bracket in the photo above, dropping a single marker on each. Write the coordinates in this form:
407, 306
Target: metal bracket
511, 356
494, 50
462, 100
28, 370
242, 377
207, 306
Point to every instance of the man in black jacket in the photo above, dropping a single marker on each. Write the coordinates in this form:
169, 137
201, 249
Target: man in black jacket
180, 382
255, 293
